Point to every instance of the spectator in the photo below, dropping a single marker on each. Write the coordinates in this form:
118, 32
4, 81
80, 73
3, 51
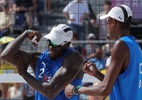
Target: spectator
98, 60
7, 20
29, 92
107, 47
90, 47
38, 11
23, 10
108, 62
76, 45
97, 83
17, 91
101, 24
10, 2
48, 6
75, 13
92, 16
5, 68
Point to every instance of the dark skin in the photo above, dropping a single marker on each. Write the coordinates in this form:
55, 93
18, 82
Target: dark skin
119, 62
70, 69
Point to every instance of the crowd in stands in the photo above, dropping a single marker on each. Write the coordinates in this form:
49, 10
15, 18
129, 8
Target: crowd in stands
26, 14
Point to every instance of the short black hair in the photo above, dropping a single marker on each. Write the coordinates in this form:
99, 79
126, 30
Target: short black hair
5, 5
107, 2
125, 25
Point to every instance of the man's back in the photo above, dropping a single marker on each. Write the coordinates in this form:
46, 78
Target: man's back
127, 86
76, 10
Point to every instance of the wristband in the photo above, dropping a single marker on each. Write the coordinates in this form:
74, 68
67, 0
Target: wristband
28, 31
78, 87
75, 89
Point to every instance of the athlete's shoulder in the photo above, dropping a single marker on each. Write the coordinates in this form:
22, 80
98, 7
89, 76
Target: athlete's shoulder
119, 47
74, 53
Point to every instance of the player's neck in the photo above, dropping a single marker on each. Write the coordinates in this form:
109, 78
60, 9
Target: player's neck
124, 33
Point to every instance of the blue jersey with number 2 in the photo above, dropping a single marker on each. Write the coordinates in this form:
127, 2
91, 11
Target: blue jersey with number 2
45, 70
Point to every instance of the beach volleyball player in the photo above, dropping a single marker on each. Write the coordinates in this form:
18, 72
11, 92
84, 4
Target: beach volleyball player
58, 66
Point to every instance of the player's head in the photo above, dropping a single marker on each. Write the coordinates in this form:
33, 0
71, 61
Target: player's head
120, 13
98, 52
5, 7
91, 36
107, 6
59, 38
120, 16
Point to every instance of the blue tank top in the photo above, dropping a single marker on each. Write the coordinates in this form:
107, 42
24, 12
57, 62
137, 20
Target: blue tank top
128, 85
45, 70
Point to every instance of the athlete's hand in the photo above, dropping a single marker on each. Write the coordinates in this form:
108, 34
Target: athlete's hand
90, 68
68, 90
32, 34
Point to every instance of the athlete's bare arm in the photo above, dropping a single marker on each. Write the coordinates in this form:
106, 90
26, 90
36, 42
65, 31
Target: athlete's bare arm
119, 63
12, 50
91, 69
71, 68
33, 60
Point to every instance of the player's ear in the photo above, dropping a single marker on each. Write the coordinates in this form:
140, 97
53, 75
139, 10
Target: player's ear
114, 22
67, 44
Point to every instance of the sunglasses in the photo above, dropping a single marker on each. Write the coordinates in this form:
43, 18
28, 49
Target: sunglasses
55, 45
